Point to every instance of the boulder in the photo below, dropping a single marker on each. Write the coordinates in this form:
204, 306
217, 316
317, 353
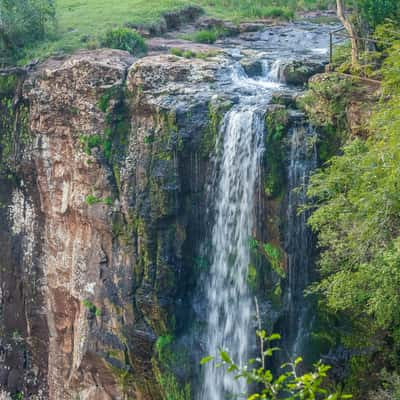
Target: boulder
287, 99
252, 67
299, 72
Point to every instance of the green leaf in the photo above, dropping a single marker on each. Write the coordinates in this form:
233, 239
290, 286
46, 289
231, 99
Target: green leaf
298, 360
274, 336
225, 357
206, 360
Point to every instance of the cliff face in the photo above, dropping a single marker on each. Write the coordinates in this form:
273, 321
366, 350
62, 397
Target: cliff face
104, 163
99, 221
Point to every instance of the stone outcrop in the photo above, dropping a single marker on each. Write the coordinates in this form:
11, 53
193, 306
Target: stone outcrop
299, 72
100, 222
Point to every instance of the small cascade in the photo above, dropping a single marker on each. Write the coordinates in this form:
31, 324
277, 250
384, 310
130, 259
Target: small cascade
299, 239
258, 85
229, 303
273, 73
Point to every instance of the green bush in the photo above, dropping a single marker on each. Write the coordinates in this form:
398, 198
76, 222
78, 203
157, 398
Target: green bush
23, 22
206, 36
125, 39
270, 12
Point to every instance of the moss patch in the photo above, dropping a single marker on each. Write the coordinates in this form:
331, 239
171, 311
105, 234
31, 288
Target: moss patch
276, 123
15, 136
216, 111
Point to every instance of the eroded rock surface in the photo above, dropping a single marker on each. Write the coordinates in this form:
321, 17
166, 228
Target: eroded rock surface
103, 210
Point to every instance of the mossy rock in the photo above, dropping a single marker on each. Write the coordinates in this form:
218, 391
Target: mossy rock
277, 123
299, 72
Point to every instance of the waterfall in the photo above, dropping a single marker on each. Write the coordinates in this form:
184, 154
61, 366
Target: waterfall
299, 239
229, 302
272, 73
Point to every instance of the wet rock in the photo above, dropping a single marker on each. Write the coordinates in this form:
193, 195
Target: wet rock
299, 72
252, 67
287, 99
250, 27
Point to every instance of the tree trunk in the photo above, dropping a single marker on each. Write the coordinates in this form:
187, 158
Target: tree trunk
350, 30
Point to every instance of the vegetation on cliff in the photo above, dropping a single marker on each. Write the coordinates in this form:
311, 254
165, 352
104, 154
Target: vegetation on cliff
356, 218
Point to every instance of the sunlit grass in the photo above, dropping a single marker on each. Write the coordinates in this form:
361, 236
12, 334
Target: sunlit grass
82, 21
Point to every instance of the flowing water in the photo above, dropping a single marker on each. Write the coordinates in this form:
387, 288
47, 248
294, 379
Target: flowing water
230, 310
299, 238
230, 306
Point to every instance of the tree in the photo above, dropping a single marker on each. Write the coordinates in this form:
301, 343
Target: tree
365, 16
23, 22
345, 19
357, 219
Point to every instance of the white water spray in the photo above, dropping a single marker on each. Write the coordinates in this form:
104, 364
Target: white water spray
229, 302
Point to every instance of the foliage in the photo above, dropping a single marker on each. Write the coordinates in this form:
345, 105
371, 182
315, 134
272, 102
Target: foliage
326, 104
193, 54
272, 253
270, 12
276, 122
375, 12
92, 199
124, 39
91, 307
23, 22
80, 23
208, 36
357, 219
288, 385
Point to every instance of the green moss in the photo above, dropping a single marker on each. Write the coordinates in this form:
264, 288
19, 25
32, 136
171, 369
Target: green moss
8, 85
90, 142
15, 136
252, 277
216, 112
276, 122
92, 199
275, 258
124, 378
91, 307
266, 258
172, 389
167, 360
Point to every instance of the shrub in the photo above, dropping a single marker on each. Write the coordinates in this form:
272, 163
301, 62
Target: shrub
23, 22
125, 39
288, 385
270, 12
192, 54
206, 36
176, 52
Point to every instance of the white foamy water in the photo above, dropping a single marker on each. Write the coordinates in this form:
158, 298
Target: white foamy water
229, 303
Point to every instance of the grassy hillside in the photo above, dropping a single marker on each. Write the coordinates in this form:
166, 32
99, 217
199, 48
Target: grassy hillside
82, 21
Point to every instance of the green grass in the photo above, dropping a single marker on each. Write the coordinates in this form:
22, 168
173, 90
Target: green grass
82, 23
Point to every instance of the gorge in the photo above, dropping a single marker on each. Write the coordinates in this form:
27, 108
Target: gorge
145, 203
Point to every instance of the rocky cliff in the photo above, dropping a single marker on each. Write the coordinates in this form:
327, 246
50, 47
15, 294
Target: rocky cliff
105, 161
104, 166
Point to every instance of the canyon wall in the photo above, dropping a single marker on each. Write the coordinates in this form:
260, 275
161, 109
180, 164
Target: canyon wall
105, 164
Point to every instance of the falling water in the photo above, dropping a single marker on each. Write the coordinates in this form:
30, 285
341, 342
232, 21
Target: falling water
272, 73
229, 312
299, 240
